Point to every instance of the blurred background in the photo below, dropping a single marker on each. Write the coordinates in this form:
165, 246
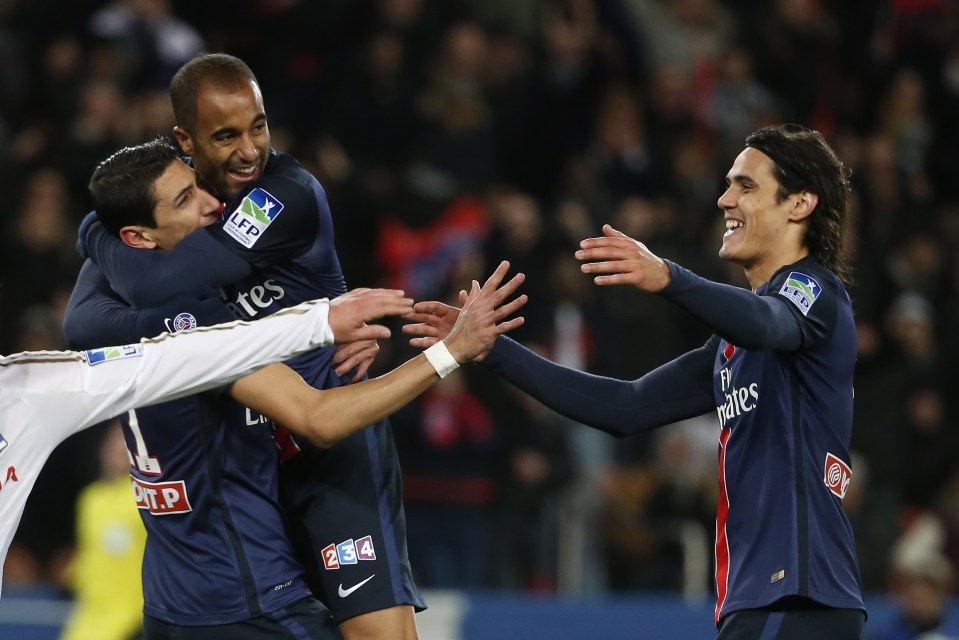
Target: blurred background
451, 134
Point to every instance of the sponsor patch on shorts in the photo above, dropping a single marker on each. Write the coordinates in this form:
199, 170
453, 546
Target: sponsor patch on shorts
837, 475
348, 552
105, 354
250, 219
801, 290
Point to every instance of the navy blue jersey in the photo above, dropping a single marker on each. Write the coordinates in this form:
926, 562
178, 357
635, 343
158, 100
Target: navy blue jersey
204, 473
779, 375
784, 466
350, 495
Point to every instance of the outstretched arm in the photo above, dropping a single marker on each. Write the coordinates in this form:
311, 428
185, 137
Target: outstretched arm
327, 416
677, 390
738, 315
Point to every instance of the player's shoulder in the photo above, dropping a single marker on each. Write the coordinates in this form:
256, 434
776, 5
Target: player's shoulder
284, 167
806, 284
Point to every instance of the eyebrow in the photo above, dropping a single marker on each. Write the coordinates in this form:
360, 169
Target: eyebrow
740, 178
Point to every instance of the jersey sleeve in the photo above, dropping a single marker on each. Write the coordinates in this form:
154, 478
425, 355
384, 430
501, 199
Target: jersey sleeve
809, 292
171, 366
96, 315
738, 315
678, 390
196, 266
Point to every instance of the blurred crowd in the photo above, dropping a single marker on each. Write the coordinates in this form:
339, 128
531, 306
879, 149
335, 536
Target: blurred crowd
451, 134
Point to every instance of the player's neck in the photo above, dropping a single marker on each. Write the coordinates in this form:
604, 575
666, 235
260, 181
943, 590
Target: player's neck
762, 271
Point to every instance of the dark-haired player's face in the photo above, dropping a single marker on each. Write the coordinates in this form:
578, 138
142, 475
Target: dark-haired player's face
181, 208
756, 224
230, 141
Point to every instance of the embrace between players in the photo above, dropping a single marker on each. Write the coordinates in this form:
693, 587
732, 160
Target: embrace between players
242, 555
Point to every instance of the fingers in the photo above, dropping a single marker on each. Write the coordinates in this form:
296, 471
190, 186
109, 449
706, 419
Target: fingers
367, 332
509, 325
509, 288
464, 297
610, 266
433, 308
423, 329
423, 343
610, 232
510, 308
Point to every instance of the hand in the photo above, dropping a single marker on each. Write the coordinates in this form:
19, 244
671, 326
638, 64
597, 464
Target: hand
350, 312
629, 261
356, 357
476, 328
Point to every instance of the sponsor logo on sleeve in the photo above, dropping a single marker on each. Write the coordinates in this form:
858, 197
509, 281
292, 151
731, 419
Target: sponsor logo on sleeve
182, 322
106, 354
348, 552
3, 443
250, 219
161, 498
801, 290
837, 475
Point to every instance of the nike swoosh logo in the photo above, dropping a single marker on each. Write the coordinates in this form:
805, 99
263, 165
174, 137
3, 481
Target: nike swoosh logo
345, 592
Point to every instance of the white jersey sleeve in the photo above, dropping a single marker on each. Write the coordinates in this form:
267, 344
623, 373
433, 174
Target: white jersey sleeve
47, 396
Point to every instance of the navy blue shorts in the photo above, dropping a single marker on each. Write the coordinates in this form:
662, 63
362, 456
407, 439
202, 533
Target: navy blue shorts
796, 619
347, 523
305, 619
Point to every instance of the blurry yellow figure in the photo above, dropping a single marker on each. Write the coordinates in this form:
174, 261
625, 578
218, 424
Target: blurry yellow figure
105, 574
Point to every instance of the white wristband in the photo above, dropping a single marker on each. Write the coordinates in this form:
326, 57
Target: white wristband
441, 359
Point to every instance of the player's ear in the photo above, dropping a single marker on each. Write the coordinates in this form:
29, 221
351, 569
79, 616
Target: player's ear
185, 140
804, 205
137, 237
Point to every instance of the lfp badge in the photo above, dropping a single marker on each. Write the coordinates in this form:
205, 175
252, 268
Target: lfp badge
253, 215
801, 290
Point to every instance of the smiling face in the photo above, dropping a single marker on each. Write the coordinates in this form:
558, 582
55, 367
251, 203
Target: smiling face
230, 140
762, 233
181, 208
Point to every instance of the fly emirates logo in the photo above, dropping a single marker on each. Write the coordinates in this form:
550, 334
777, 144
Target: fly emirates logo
739, 400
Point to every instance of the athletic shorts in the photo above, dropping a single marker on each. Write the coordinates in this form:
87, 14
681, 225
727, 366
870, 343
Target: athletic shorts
348, 527
796, 619
305, 619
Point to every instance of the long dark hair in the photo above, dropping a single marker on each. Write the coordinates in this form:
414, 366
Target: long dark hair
803, 160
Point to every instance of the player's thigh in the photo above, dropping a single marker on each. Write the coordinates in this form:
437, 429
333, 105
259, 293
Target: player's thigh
349, 527
793, 624
305, 619
395, 623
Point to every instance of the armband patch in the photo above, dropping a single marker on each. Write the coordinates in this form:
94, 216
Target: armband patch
105, 354
250, 219
801, 290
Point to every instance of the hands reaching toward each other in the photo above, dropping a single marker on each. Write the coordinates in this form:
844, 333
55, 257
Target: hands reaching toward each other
469, 333
350, 312
628, 261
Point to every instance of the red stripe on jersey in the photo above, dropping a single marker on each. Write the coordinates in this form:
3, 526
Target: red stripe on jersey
722, 513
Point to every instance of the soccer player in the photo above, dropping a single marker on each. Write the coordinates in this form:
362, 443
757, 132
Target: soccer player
778, 372
218, 562
272, 247
46, 396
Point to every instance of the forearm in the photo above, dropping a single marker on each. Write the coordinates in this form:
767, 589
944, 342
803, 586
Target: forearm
327, 416
678, 390
197, 265
738, 315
